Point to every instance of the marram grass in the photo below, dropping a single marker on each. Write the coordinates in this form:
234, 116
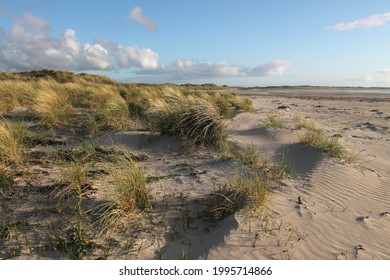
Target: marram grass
197, 120
52, 106
12, 136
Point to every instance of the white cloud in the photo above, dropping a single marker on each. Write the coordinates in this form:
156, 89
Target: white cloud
187, 68
33, 24
93, 56
371, 21
69, 42
29, 46
137, 14
127, 56
274, 68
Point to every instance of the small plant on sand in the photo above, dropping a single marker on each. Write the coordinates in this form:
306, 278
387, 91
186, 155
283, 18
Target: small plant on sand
74, 180
74, 183
274, 121
300, 123
328, 144
274, 170
130, 195
12, 138
73, 243
251, 190
250, 156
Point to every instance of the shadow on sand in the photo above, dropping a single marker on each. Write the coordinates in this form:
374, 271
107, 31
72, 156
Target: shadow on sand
301, 159
195, 243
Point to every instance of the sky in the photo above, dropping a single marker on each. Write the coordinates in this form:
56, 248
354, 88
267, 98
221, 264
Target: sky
226, 42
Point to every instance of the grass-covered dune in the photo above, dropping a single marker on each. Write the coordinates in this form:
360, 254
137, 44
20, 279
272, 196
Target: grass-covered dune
65, 196
92, 104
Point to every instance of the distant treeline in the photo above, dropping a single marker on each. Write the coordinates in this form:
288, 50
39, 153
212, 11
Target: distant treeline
72, 77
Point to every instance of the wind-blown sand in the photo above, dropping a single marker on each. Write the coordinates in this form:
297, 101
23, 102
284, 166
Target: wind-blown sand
343, 211
324, 210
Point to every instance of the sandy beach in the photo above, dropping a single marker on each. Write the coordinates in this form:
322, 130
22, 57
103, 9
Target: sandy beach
325, 209
344, 209
319, 206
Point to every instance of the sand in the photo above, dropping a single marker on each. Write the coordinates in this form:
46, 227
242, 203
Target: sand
344, 210
324, 209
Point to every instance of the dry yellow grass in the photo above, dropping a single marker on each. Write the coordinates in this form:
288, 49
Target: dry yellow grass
12, 136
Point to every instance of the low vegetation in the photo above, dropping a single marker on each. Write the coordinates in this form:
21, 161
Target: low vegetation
318, 138
196, 119
249, 190
80, 194
274, 121
12, 141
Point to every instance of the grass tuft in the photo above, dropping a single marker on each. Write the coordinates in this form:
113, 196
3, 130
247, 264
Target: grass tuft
319, 139
116, 114
52, 105
130, 194
12, 138
197, 120
243, 190
300, 123
274, 121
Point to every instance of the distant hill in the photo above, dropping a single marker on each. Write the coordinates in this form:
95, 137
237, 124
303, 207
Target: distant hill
57, 75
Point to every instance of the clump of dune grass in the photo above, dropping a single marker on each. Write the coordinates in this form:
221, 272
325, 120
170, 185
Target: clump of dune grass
249, 190
240, 103
73, 181
52, 105
116, 114
274, 121
15, 93
229, 103
12, 138
273, 170
130, 196
305, 123
196, 120
224, 106
319, 139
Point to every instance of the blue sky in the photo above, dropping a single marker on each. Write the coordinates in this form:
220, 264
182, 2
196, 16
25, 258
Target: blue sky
246, 42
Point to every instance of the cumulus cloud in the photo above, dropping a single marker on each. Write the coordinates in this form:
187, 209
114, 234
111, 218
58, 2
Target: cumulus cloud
371, 21
29, 45
274, 68
137, 15
127, 56
187, 68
